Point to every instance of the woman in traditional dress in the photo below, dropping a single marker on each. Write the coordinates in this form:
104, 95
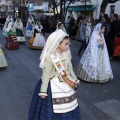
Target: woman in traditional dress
30, 26
19, 33
3, 62
60, 25
8, 19
11, 40
37, 40
94, 65
54, 97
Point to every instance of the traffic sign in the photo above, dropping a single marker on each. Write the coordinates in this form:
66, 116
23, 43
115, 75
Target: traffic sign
31, 7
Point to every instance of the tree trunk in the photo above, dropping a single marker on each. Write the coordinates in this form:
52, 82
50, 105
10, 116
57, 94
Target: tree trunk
104, 5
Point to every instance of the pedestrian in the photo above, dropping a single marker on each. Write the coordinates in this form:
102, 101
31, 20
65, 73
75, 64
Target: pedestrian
67, 23
54, 97
116, 46
72, 31
85, 33
30, 26
115, 29
1, 22
18, 25
52, 25
3, 61
37, 40
94, 65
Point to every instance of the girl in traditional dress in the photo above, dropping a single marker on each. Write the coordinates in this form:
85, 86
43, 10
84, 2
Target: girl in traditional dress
11, 40
19, 33
54, 97
3, 62
9, 19
60, 25
37, 39
94, 65
30, 26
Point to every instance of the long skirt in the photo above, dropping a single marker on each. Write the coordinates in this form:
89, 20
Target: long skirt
20, 36
102, 76
29, 31
3, 62
11, 42
42, 109
31, 40
39, 40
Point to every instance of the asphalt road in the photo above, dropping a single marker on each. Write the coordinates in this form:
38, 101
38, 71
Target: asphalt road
17, 82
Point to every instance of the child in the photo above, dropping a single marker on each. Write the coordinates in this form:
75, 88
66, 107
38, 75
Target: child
8, 19
19, 33
94, 65
3, 62
60, 25
11, 40
38, 39
55, 97
30, 27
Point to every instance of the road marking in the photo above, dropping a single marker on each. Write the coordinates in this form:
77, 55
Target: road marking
34, 68
110, 107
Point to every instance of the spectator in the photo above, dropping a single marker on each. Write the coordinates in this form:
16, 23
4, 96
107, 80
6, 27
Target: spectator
115, 29
67, 24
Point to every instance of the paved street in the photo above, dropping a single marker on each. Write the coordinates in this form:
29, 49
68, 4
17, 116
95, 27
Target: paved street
17, 82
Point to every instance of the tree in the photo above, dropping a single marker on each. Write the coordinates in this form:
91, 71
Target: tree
64, 5
105, 3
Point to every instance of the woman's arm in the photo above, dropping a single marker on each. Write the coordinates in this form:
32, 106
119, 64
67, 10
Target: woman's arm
46, 77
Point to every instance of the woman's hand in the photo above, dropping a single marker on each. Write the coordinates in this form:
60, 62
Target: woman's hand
102, 46
43, 96
78, 82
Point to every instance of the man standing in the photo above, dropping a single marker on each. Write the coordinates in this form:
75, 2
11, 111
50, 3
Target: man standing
115, 29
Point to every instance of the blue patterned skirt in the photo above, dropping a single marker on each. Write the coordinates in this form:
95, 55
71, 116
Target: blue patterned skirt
42, 109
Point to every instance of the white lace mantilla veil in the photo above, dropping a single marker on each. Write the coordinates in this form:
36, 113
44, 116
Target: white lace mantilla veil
90, 59
52, 43
21, 24
29, 20
7, 21
58, 28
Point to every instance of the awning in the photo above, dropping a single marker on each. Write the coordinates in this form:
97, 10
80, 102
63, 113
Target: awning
48, 14
82, 8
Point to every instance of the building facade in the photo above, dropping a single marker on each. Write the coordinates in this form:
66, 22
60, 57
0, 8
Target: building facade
111, 8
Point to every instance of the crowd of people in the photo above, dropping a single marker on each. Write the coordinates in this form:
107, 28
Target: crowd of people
55, 93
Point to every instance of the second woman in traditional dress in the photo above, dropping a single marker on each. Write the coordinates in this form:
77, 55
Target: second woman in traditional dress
94, 65
37, 40
19, 33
